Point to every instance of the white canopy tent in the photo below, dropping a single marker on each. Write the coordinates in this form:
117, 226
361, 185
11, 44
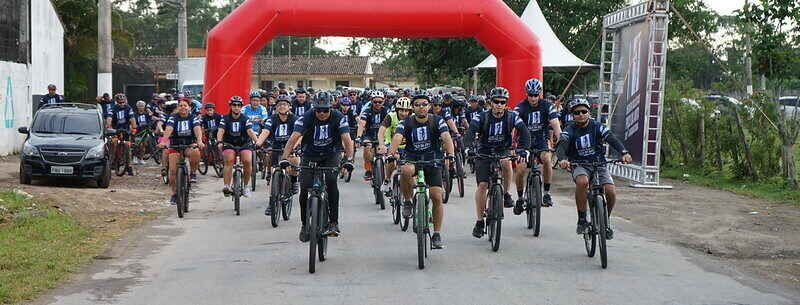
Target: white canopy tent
555, 56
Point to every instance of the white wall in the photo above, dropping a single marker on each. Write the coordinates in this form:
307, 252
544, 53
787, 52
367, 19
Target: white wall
47, 48
15, 105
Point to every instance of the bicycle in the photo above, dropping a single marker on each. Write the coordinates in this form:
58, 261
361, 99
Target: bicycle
182, 185
377, 173
143, 144
122, 155
534, 192
280, 194
254, 159
423, 215
238, 175
494, 209
598, 224
211, 155
317, 213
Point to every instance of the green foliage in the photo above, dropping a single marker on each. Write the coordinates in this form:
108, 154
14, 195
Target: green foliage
773, 188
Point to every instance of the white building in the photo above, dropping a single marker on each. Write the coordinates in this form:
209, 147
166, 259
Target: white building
31, 57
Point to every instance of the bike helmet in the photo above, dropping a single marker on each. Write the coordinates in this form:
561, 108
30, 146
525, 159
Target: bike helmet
281, 85
210, 106
140, 103
284, 97
403, 103
420, 96
579, 102
447, 96
551, 97
533, 87
376, 94
51, 87
391, 93
436, 99
472, 98
345, 101
323, 100
236, 99
255, 94
459, 101
170, 106
498, 92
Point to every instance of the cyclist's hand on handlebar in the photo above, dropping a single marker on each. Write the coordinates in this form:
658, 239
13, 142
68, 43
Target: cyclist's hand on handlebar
564, 164
523, 154
348, 165
162, 145
626, 158
357, 140
284, 163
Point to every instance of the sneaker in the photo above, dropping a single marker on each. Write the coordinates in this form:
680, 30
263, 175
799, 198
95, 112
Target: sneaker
135, 160
164, 172
368, 175
303, 234
508, 202
193, 178
408, 209
609, 233
246, 191
268, 211
141, 162
333, 230
583, 227
173, 200
478, 230
547, 201
385, 188
129, 170
520, 206
227, 191
436, 241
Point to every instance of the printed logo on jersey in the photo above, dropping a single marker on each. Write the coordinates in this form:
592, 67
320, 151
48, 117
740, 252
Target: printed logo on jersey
235, 128
376, 121
535, 121
584, 145
322, 135
142, 118
421, 138
496, 132
183, 128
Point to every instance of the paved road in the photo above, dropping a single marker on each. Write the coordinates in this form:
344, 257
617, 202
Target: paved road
214, 257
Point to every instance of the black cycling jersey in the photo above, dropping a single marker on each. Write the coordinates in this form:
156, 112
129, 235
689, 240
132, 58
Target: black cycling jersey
321, 138
537, 117
120, 116
586, 143
211, 122
236, 129
494, 134
183, 129
143, 119
300, 109
372, 120
280, 130
422, 139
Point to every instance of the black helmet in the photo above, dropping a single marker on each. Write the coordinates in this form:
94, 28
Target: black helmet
284, 97
419, 96
281, 85
323, 100
579, 102
498, 92
236, 99
299, 90
210, 105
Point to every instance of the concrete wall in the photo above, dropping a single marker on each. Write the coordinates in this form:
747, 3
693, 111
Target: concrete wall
15, 105
47, 48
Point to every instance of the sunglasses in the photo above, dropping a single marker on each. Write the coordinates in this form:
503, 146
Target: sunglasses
420, 104
499, 102
236, 105
322, 110
579, 112
377, 102
437, 105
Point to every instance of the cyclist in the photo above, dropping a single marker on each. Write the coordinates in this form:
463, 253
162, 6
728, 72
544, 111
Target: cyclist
324, 133
255, 112
458, 113
566, 115
277, 130
51, 97
196, 104
494, 138
106, 103
425, 134
144, 121
438, 108
583, 141
182, 129
401, 111
300, 103
236, 131
474, 110
122, 119
210, 119
538, 114
371, 119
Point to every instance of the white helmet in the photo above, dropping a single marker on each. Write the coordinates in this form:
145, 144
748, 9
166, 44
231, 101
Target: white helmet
375, 94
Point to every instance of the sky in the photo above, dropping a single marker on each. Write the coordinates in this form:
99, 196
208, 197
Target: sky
722, 7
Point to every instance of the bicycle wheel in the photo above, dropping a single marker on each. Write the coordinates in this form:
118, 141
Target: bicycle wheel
377, 182
535, 205
253, 171
601, 226
322, 246
204, 157
590, 238
397, 203
447, 183
497, 215
274, 199
313, 232
286, 205
120, 165
149, 147
179, 190
460, 174
157, 155
216, 162
188, 188
237, 189
420, 223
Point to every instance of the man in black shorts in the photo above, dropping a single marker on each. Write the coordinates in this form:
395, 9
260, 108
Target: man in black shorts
277, 130
425, 134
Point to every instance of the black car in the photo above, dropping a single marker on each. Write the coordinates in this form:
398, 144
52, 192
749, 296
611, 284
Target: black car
66, 141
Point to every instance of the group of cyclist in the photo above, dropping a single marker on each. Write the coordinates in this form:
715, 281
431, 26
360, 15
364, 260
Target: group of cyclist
324, 127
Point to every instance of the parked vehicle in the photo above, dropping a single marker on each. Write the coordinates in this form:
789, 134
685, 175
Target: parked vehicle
790, 105
66, 141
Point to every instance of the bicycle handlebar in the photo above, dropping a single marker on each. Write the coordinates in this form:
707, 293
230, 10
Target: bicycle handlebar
594, 163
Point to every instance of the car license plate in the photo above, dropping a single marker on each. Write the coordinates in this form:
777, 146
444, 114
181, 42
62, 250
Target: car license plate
64, 170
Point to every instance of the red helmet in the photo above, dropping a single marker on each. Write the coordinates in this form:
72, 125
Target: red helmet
51, 87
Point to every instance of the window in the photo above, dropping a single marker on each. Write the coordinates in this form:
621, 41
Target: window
267, 84
55, 122
343, 83
304, 84
299, 84
10, 31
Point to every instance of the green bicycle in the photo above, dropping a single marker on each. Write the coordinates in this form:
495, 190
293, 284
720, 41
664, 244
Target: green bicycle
423, 215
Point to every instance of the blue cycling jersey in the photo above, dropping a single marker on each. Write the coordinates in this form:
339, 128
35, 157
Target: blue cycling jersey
256, 115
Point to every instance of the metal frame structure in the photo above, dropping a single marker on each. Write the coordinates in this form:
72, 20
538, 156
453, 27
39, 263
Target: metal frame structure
656, 13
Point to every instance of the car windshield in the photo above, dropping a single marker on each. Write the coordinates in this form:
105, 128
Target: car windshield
66, 123
789, 102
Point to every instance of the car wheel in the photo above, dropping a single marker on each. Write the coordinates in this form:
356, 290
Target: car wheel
105, 179
23, 177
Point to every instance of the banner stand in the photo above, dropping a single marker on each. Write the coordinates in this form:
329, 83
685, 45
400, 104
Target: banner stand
631, 84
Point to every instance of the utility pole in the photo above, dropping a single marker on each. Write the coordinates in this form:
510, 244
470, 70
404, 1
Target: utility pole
105, 48
748, 60
182, 31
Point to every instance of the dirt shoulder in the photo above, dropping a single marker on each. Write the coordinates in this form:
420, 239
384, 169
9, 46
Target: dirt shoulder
760, 236
108, 213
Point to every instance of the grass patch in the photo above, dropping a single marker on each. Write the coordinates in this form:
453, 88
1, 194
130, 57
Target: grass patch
39, 247
773, 189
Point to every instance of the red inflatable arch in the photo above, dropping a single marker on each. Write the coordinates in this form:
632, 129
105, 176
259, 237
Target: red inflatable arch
232, 43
